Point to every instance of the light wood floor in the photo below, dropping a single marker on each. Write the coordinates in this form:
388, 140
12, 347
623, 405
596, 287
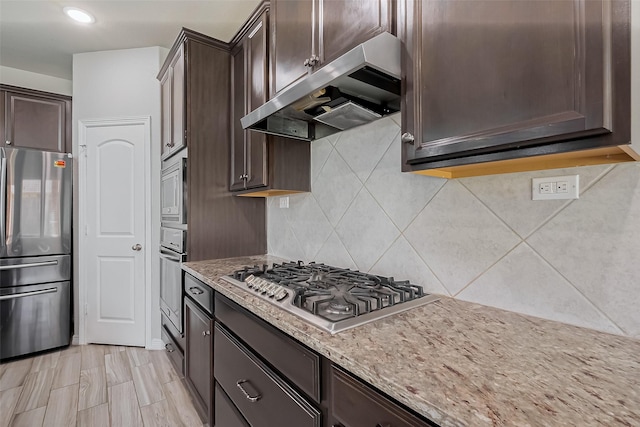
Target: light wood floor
94, 385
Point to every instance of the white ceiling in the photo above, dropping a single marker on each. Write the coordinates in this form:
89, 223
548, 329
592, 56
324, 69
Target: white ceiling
36, 36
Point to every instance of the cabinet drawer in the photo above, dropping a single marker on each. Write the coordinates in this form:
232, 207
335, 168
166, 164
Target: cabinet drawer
300, 365
199, 292
354, 404
226, 413
173, 351
262, 397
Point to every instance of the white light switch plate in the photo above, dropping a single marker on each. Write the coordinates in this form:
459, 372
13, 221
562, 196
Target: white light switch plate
555, 187
284, 202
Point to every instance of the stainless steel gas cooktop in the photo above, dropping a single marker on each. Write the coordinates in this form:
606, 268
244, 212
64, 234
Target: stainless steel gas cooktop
333, 299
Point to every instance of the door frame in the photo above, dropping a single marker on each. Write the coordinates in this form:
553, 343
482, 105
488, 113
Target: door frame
83, 126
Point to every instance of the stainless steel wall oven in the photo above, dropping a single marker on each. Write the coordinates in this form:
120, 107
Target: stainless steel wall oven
172, 254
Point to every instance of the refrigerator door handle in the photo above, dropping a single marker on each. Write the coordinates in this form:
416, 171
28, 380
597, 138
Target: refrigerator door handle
3, 198
31, 264
28, 294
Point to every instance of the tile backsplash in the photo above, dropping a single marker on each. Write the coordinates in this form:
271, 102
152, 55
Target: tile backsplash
475, 239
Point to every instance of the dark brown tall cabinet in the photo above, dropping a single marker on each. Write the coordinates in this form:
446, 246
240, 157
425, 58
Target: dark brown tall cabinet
220, 225
35, 119
489, 81
261, 165
306, 34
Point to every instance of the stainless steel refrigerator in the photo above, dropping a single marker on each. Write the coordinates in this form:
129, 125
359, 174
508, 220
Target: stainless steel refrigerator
35, 251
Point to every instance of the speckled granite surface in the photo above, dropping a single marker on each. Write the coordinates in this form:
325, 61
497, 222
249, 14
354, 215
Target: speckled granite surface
465, 364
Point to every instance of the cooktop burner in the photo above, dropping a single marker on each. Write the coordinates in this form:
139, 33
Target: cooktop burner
331, 298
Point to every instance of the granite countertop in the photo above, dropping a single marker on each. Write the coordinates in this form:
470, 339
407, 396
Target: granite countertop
460, 363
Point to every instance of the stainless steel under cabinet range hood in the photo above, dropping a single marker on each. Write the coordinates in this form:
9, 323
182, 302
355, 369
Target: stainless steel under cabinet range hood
358, 87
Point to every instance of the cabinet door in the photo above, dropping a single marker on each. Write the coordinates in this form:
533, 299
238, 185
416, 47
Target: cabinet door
257, 84
33, 121
344, 24
165, 85
238, 110
292, 41
353, 404
199, 352
492, 77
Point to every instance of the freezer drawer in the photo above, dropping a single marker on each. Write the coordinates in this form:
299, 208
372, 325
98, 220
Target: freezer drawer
34, 318
34, 270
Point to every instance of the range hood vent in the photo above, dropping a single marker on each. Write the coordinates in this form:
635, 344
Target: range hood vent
360, 86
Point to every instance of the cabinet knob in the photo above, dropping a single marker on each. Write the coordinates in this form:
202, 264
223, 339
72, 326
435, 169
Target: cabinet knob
306, 63
205, 333
313, 60
169, 348
407, 138
8, 142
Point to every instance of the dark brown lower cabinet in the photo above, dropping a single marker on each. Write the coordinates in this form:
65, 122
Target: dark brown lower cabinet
226, 414
199, 357
354, 404
263, 397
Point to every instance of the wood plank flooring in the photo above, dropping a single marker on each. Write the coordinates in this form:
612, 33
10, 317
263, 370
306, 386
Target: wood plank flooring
94, 386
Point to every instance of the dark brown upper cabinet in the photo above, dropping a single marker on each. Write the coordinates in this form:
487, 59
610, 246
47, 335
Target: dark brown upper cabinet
261, 165
493, 87
34, 119
173, 105
306, 34
249, 85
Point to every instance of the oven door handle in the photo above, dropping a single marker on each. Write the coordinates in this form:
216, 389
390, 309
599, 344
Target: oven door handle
28, 294
170, 255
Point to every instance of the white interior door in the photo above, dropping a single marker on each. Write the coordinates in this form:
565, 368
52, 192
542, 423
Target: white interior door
114, 210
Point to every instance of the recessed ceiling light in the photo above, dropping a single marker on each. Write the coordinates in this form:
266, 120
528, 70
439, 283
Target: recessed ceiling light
79, 15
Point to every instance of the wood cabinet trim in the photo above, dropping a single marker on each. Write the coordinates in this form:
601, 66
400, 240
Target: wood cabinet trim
255, 16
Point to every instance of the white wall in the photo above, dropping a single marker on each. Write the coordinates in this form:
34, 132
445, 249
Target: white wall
27, 79
122, 83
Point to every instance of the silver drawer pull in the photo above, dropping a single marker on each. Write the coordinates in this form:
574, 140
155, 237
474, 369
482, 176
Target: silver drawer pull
169, 348
247, 395
195, 290
28, 294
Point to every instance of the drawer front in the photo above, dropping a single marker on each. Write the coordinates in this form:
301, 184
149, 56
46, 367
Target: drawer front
354, 404
226, 415
262, 397
199, 292
173, 351
300, 365
175, 335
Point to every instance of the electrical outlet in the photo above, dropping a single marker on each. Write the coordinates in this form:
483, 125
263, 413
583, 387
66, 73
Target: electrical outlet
284, 202
555, 187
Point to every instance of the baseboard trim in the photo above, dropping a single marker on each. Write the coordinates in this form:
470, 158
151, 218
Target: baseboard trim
156, 344
75, 340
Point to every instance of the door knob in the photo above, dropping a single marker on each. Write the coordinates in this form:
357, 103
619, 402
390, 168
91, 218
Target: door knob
136, 247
